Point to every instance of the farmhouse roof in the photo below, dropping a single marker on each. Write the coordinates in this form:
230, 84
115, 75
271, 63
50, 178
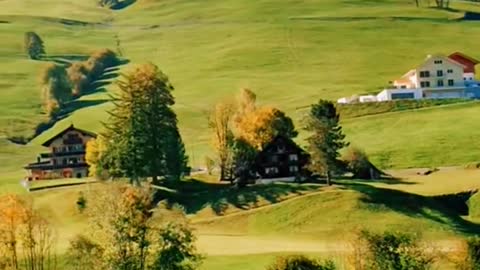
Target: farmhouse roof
69, 128
467, 61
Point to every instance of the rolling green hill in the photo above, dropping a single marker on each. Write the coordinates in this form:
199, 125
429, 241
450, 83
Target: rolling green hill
290, 53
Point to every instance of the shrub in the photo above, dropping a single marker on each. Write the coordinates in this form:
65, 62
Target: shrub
394, 251
357, 163
300, 262
472, 166
473, 252
78, 75
34, 45
210, 165
81, 202
84, 254
99, 61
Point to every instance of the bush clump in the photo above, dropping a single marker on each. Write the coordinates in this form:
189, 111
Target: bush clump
391, 251
357, 162
472, 166
83, 74
300, 262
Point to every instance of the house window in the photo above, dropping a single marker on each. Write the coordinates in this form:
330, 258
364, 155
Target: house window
440, 83
424, 74
425, 84
403, 86
274, 158
281, 148
271, 170
439, 73
64, 161
450, 82
293, 157
438, 62
403, 96
293, 169
450, 71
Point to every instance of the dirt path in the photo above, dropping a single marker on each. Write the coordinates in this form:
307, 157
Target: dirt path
242, 245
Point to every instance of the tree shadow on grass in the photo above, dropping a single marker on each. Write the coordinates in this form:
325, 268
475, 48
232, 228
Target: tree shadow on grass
65, 59
123, 4
446, 209
194, 195
66, 112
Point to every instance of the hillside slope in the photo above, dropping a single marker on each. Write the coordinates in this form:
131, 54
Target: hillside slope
289, 53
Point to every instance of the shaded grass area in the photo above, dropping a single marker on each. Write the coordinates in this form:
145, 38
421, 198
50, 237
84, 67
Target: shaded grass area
203, 199
335, 214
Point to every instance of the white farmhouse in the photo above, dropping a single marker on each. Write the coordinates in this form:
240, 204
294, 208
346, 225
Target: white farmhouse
437, 77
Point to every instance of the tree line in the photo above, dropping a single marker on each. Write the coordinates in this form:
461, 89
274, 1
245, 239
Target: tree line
61, 84
240, 129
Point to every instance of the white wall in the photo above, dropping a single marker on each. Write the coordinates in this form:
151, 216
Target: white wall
274, 180
387, 93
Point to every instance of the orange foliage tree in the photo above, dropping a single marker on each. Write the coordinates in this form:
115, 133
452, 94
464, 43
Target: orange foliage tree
260, 126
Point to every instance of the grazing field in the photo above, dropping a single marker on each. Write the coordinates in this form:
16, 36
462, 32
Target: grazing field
290, 54
289, 218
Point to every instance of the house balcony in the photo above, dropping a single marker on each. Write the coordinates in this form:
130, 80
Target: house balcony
46, 165
63, 154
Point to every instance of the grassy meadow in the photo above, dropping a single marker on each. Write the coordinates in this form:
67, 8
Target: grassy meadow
267, 220
291, 53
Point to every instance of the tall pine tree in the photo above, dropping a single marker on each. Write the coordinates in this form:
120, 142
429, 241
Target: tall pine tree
326, 138
143, 136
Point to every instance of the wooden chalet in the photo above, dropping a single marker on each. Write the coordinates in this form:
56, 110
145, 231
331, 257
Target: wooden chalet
281, 158
66, 158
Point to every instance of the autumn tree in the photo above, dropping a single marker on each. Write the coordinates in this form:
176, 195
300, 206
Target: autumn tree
124, 236
260, 126
56, 88
143, 137
94, 152
177, 249
34, 45
22, 229
78, 76
220, 121
246, 103
326, 138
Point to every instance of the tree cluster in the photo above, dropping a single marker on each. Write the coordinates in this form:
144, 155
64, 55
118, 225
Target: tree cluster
300, 262
56, 88
26, 239
60, 84
390, 250
83, 74
241, 128
142, 139
124, 237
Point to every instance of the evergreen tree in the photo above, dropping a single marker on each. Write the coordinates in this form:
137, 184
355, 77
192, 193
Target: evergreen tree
34, 45
143, 136
326, 138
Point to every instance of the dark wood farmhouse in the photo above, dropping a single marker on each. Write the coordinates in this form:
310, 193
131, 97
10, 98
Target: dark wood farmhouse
282, 158
66, 158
